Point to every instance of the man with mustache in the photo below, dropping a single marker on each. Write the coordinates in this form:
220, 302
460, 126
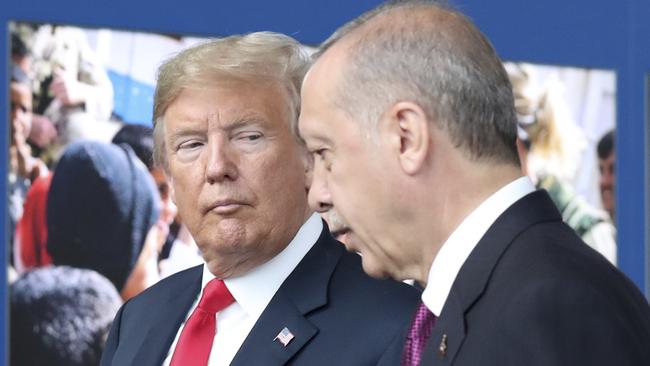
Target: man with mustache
276, 288
409, 114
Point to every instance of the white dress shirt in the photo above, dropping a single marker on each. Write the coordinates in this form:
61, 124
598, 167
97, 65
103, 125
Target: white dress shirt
252, 292
463, 240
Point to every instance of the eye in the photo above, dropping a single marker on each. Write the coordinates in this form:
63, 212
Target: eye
189, 145
250, 136
16, 106
322, 155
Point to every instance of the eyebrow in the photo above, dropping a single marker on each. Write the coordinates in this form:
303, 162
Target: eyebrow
178, 134
318, 137
318, 141
243, 121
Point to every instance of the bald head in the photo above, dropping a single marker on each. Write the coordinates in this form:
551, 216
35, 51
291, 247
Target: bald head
426, 53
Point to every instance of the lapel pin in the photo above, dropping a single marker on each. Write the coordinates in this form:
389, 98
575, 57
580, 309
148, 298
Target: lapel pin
442, 349
285, 336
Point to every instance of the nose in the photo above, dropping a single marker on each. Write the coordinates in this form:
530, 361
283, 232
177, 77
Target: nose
607, 176
319, 197
220, 165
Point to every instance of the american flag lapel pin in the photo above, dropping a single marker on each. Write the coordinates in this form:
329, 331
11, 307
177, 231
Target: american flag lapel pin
285, 336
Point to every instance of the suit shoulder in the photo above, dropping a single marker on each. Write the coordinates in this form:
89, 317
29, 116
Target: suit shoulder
549, 265
172, 284
553, 251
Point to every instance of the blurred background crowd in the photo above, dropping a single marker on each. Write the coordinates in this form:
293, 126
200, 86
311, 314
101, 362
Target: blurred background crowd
92, 222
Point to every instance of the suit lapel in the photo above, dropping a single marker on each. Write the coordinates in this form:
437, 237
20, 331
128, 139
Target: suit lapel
449, 331
447, 336
175, 304
260, 348
302, 292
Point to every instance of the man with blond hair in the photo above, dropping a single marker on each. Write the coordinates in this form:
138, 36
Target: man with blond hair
409, 114
275, 288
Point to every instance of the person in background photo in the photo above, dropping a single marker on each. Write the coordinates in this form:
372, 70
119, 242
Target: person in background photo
23, 167
42, 132
70, 78
73, 95
275, 287
102, 210
178, 250
410, 117
30, 247
607, 167
548, 145
60, 316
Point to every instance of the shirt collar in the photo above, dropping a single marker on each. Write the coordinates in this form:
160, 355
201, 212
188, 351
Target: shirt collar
463, 239
254, 290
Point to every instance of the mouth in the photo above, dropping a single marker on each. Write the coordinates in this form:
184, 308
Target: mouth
225, 206
340, 232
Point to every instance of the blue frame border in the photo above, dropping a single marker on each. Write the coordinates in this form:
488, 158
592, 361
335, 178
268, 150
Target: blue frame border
600, 34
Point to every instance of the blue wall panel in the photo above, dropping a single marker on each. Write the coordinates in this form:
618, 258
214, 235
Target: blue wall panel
602, 34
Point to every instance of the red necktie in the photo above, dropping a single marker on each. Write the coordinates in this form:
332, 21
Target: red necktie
420, 331
195, 343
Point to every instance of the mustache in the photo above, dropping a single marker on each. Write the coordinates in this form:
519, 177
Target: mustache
337, 224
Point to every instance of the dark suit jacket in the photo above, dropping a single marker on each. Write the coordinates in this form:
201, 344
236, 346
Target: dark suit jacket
532, 293
338, 315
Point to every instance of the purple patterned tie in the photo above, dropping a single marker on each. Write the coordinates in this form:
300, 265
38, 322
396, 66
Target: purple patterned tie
420, 331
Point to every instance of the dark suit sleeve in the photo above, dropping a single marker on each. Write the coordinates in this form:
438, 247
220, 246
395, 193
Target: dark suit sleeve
112, 341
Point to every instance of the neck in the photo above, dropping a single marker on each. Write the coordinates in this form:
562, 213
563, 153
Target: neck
464, 187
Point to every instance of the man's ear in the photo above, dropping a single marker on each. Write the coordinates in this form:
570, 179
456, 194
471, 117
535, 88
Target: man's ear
407, 128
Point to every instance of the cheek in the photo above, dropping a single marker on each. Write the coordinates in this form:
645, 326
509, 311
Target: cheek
347, 185
277, 176
184, 193
358, 195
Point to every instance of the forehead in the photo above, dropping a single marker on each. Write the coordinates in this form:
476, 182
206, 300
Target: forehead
326, 70
20, 92
230, 102
609, 159
319, 90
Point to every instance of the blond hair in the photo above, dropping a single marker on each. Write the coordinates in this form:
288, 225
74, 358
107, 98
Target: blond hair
254, 57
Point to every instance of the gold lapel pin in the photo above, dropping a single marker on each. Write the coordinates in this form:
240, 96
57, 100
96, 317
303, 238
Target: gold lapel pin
442, 349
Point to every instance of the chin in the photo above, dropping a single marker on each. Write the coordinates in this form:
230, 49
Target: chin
222, 269
373, 270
